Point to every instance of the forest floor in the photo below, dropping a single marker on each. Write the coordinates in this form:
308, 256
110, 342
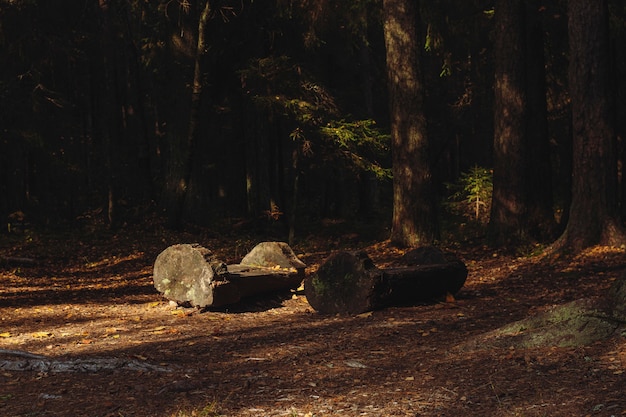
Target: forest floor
89, 299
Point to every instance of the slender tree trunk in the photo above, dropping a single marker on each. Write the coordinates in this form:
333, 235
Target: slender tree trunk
368, 183
366, 64
414, 216
618, 74
257, 157
508, 208
14, 177
541, 221
622, 177
295, 158
138, 126
176, 211
107, 115
593, 215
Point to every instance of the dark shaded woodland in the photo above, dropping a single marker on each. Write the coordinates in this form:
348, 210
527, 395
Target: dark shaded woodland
272, 116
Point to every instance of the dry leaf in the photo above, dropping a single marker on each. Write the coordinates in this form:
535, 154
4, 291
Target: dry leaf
41, 335
367, 314
354, 364
5, 334
182, 313
158, 330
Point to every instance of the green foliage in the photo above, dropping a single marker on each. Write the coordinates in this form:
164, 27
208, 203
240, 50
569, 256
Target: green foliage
282, 88
279, 86
361, 142
433, 40
471, 194
530, 249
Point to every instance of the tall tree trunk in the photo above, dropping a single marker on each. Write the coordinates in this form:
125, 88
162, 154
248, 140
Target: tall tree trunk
593, 215
541, 221
367, 87
13, 177
414, 220
508, 209
622, 177
176, 207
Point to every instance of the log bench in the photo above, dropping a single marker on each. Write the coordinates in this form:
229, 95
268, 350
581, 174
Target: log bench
190, 274
350, 283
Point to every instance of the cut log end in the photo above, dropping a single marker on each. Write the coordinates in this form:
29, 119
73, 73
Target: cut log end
345, 283
189, 273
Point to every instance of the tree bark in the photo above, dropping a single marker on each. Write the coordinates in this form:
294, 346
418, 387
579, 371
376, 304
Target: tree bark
508, 209
414, 215
593, 216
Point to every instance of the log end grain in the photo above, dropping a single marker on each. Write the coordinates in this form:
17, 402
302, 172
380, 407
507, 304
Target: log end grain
345, 283
189, 273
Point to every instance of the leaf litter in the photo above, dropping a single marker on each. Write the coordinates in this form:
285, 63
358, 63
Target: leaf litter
94, 304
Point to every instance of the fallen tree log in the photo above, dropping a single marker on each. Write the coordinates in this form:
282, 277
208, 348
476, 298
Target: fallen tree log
39, 363
17, 261
349, 282
191, 274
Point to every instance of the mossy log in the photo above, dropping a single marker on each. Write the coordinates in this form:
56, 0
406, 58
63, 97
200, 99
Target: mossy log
577, 323
191, 274
350, 283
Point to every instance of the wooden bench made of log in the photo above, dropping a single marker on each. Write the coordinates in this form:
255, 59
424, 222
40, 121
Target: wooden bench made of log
191, 274
350, 283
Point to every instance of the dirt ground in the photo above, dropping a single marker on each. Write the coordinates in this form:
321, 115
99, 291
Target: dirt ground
90, 299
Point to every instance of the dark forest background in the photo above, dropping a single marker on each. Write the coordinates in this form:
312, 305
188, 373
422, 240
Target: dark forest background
270, 116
